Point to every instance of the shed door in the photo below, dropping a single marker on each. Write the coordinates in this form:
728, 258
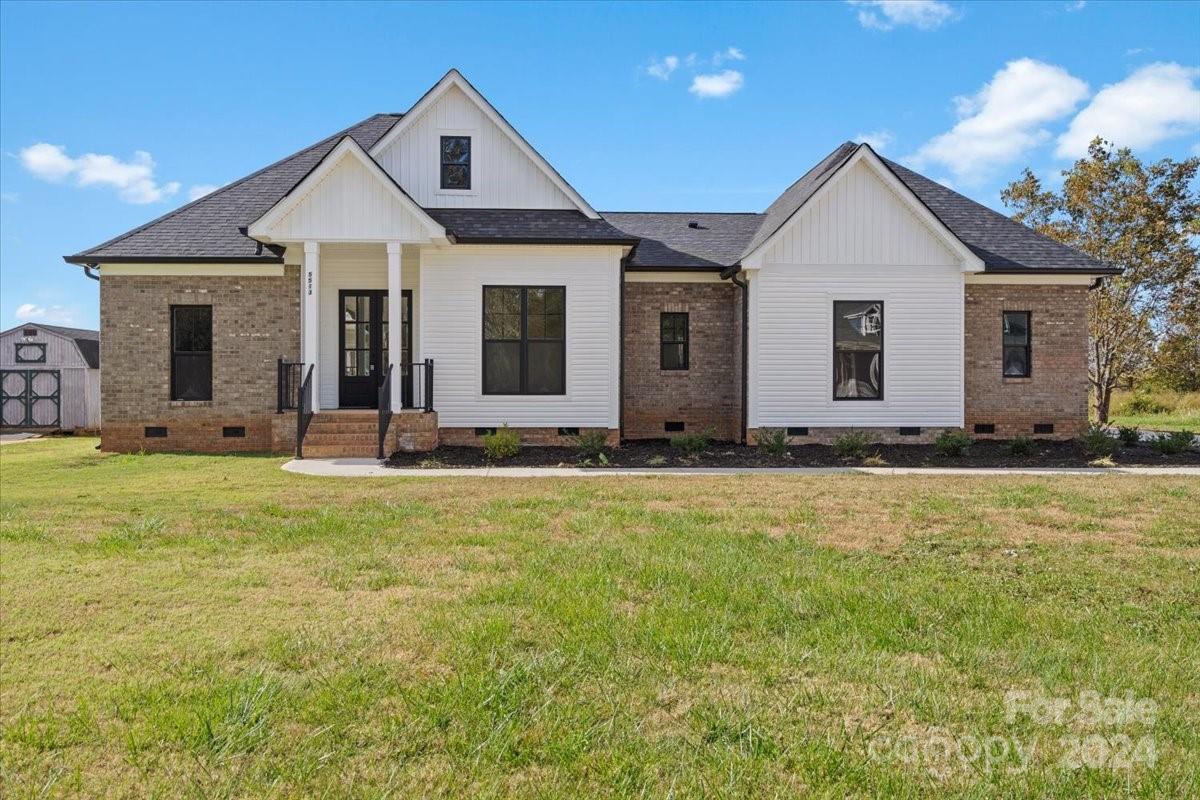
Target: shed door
29, 398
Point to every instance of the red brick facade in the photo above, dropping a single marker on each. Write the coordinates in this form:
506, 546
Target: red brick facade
1056, 392
705, 396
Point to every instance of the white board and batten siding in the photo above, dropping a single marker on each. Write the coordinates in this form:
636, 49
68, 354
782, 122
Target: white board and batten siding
452, 281
501, 175
856, 241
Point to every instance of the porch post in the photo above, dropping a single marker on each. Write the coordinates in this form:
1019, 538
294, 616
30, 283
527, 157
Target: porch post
395, 353
310, 290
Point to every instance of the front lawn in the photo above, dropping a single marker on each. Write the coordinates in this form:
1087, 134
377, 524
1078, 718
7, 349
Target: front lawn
213, 626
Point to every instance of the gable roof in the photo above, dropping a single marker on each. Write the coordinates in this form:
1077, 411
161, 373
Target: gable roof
527, 226
668, 241
88, 341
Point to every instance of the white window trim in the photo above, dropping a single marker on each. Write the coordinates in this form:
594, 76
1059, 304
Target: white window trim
887, 299
473, 133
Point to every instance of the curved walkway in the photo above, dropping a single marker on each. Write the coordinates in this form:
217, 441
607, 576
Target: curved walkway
372, 468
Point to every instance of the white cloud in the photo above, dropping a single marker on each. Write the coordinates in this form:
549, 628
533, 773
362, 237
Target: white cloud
9, 197
1076, 5
879, 140
199, 190
134, 179
1133, 51
883, 15
721, 84
1003, 120
1157, 102
728, 54
663, 67
53, 315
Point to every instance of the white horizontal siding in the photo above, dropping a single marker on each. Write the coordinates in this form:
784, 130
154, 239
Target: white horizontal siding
349, 203
501, 175
452, 281
858, 220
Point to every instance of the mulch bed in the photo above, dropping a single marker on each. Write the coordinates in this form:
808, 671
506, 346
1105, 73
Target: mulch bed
660, 454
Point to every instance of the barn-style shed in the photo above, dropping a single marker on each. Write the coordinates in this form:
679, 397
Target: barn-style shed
49, 378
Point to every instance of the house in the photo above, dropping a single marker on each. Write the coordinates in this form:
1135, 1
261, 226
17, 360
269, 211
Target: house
49, 378
434, 263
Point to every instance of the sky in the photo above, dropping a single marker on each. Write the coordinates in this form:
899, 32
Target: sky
113, 114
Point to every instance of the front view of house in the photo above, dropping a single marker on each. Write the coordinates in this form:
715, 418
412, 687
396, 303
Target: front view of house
427, 277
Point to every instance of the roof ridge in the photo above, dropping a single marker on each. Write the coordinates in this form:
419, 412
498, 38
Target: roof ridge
175, 211
685, 213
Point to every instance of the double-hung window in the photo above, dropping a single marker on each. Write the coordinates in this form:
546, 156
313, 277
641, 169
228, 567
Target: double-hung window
191, 352
524, 339
673, 328
456, 162
1017, 354
858, 350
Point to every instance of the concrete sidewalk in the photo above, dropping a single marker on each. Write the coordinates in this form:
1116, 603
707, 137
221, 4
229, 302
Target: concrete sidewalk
372, 468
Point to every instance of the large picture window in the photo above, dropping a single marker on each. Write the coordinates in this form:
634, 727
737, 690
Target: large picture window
524, 339
456, 162
858, 350
673, 330
1016, 344
191, 352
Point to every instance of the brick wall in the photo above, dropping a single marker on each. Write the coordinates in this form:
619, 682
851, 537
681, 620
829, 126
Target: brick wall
256, 320
707, 395
1056, 392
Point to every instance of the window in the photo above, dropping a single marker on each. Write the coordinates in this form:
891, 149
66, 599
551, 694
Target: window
524, 332
30, 353
674, 344
191, 352
858, 350
1016, 344
456, 162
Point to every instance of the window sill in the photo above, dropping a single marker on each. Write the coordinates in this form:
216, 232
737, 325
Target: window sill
190, 404
457, 192
1008, 379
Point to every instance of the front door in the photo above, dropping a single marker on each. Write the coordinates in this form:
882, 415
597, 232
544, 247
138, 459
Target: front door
362, 346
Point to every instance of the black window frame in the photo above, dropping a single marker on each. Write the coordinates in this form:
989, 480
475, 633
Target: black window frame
442, 163
1027, 347
834, 349
40, 358
190, 354
663, 342
523, 363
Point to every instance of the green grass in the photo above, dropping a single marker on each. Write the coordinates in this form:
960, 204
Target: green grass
215, 627
1177, 411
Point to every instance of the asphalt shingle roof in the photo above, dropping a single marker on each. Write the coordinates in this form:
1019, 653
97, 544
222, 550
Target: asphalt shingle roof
88, 341
525, 226
669, 242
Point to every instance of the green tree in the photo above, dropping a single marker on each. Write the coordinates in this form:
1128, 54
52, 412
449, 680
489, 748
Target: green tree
1176, 362
1142, 218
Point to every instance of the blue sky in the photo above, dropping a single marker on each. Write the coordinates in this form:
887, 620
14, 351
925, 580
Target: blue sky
111, 115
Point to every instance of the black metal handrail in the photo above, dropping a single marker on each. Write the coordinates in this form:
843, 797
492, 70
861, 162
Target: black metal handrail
287, 385
417, 393
385, 407
304, 412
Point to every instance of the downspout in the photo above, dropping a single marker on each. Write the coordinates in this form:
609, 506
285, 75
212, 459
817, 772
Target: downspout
87, 270
621, 347
731, 274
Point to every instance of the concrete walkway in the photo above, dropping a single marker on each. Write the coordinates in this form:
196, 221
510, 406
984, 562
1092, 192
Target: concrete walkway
372, 468
17, 438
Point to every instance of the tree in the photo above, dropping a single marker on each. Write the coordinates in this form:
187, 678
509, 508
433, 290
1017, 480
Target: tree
1176, 362
1143, 219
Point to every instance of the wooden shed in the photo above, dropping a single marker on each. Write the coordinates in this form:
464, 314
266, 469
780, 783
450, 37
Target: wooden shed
49, 378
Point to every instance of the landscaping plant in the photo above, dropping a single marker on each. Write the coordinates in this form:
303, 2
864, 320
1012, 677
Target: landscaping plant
692, 444
773, 441
1129, 435
853, 444
1020, 446
952, 443
1097, 442
591, 444
504, 443
1173, 442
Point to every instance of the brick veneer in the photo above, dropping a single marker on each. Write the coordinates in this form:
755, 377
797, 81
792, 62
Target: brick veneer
707, 395
1057, 390
256, 320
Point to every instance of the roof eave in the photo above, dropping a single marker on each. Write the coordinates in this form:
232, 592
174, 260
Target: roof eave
88, 260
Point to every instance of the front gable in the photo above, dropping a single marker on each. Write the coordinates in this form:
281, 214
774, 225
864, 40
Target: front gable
506, 172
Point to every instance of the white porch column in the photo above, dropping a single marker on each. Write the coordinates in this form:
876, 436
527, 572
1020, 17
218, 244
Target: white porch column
310, 290
394, 314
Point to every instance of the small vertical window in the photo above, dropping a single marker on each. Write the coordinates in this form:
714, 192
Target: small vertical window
191, 352
858, 350
456, 162
1017, 354
673, 326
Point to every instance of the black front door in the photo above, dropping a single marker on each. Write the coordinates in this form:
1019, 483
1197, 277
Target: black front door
362, 347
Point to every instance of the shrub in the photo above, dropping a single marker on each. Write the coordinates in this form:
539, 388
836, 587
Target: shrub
773, 441
1020, 446
853, 444
1143, 402
591, 444
1129, 436
1097, 442
1173, 442
692, 443
504, 443
952, 443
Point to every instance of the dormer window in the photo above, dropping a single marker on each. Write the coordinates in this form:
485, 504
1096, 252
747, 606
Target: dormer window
456, 162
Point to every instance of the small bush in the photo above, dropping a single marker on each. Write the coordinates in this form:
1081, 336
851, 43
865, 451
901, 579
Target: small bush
874, 460
952, 443
773, 441
591, 444
504, 443
692, 443
853, 444
655, 461
1097, 442
1129, 436
1143, 402
1174, 442
1020, 446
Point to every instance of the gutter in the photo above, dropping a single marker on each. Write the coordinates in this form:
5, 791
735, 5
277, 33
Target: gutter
731, 274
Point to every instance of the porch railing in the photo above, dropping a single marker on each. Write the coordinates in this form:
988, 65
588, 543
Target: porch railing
304, 412
385, 408
416, 380
287, 385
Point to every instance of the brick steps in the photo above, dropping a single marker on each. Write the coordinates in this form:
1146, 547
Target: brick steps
343, 434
